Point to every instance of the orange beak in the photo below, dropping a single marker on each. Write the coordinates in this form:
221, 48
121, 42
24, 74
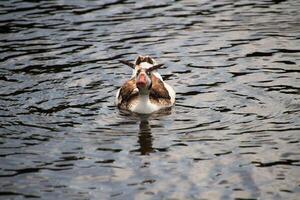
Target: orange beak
142, 81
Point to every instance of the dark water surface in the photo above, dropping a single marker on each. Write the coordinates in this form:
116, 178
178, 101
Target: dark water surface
234, 132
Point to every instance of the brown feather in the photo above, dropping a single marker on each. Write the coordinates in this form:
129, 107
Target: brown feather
131, 65
141, 59
127, 94
154, 67
158, 93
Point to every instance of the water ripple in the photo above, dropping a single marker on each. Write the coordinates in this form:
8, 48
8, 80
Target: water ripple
233, 133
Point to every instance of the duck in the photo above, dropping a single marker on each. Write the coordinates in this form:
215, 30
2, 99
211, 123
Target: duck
146, 91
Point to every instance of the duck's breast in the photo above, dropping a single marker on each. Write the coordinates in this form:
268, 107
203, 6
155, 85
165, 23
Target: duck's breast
143, 105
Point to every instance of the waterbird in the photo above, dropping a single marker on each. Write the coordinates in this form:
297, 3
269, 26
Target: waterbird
146, 91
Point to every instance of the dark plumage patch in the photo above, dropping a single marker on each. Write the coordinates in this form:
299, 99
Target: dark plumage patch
127, 94
141, 59
158, 93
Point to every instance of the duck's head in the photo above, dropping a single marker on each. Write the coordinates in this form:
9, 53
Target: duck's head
143, 69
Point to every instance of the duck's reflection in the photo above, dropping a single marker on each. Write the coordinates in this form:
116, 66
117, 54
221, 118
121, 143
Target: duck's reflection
145, 138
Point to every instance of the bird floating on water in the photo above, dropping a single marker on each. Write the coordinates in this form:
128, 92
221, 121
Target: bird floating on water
146, 91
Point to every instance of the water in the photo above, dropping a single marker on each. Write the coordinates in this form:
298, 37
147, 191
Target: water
233, 134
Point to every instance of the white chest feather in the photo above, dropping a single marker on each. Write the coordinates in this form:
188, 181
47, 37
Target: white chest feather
143, 105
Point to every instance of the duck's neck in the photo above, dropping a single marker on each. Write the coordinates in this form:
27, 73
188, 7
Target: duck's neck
144, 92
144, 104
144, 96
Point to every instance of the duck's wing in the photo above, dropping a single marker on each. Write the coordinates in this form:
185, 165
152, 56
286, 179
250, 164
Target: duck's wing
127, 93
158, 93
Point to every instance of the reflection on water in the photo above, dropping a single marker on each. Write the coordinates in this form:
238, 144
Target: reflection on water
233, 133
145, 138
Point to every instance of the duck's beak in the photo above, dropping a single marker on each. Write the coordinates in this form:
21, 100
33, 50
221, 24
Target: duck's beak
141, 81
